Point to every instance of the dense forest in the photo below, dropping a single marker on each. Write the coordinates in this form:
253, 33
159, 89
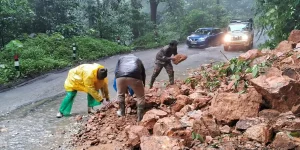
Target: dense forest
41, 32
109, 19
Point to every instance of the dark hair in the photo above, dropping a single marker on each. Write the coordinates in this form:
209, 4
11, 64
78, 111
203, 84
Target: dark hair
102, 73
173, 43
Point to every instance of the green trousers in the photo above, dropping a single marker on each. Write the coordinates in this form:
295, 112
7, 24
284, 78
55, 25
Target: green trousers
67, 103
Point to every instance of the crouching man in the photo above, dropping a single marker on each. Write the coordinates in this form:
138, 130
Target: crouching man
89, 78
130, 72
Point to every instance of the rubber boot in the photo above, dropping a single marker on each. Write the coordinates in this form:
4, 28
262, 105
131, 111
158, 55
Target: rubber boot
151, 82
140, 111
121, 111
171, 78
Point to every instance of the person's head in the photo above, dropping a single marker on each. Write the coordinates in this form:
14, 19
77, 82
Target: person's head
101, 73
173, 44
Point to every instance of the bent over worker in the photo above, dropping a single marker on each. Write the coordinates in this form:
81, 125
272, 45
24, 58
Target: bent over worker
163, 60
89, 78
130, 72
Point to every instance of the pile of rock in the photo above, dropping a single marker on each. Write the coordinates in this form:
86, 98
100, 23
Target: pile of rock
189, 115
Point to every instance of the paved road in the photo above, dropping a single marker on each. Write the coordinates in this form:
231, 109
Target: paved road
34, 126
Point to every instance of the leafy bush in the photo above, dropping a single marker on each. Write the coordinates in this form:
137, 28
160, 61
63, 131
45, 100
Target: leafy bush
45, 53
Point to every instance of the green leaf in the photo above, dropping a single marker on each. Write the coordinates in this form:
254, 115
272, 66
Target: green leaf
255, 71
232, 66
248, 70
193, 136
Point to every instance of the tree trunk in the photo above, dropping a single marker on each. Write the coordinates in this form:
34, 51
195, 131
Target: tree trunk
153, 9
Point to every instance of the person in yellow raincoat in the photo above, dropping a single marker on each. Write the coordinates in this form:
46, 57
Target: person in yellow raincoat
89, 78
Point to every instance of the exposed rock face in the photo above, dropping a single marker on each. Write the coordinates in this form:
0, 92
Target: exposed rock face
281, 92
235, 106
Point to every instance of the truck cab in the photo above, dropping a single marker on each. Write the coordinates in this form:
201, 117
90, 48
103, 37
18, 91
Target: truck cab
239, 34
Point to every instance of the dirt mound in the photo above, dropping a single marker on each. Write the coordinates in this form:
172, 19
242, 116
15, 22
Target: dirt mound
250, 102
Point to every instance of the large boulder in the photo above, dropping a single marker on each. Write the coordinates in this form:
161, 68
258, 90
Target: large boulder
134, 133
280, 91
261, 133
161, 143
151, 116
284, 46
229, 107
284, 141
294, 36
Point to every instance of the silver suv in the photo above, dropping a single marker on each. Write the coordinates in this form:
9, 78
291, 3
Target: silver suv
239, 33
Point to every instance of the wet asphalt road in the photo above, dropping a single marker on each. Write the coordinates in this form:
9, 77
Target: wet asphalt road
34, 126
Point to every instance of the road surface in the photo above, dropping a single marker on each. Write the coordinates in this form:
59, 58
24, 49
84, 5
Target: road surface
28, 112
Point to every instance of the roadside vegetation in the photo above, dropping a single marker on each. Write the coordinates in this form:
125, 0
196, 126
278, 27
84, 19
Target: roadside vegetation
42, 32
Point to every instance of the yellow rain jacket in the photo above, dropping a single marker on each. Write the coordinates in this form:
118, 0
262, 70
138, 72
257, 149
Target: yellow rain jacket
84, 78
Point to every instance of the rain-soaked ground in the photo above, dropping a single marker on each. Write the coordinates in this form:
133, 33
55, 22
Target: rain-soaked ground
35, 126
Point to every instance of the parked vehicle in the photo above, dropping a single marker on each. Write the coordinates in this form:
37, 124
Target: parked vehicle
239, 33
204, 37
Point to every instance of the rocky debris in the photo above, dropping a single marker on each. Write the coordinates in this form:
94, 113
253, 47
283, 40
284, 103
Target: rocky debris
168, 97
134, 133
268, 113
286, 122
294, 36
179, 58
206, 126
284, 46
244, 124
181, 101
161, 142
184, 90
251, 54
225, 129
186, 109
151, 116
261, 133
235, 106
280, 91
239, 104
284, 141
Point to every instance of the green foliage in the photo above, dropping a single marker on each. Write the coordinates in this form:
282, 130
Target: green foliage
196, 136
277, 18
45, 53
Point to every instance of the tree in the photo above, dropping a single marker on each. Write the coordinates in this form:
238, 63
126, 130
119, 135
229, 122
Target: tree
278, 17
14, 16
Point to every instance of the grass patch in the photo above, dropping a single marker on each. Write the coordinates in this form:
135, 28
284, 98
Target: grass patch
44, 53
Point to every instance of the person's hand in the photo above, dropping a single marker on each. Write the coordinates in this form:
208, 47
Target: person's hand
106, 103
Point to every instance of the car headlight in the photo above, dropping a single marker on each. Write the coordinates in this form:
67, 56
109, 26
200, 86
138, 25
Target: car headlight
202, 39
188, 38
245, 37
227, 38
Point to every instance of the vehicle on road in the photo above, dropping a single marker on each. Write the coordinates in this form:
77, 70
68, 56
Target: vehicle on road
204, 37
239, 34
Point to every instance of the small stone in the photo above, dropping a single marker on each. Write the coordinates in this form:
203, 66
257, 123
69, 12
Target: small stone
208, 139
225, 129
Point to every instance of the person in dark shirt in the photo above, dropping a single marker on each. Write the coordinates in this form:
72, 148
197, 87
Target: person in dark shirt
130, 72
163, 60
